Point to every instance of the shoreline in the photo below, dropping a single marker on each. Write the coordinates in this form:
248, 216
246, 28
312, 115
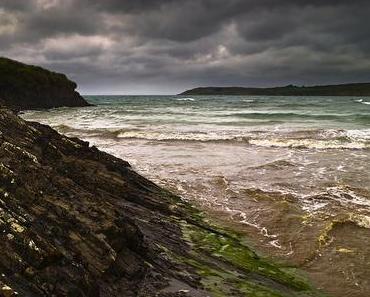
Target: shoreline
280, 216
209, 256
349, 89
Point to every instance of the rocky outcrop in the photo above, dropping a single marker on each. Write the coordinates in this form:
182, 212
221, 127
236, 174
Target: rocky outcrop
30, 87
76, 221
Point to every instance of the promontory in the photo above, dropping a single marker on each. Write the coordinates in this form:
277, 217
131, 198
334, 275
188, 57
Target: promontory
31, 87
353, 89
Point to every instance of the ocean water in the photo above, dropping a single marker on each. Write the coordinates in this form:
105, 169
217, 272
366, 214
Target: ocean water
293, 173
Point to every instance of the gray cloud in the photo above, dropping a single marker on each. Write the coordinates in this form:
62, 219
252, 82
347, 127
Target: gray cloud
146, 46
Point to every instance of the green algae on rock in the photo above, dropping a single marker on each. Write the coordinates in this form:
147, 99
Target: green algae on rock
230, 268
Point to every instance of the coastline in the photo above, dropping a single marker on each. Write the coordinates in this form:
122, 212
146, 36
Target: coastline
77, 221
184, 148
84, 216
279, 187
349, 89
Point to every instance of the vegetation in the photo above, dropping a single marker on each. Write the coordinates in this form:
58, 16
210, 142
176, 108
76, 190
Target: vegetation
26, 87
355, 89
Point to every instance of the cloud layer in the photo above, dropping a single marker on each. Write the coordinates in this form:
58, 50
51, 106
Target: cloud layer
166, 46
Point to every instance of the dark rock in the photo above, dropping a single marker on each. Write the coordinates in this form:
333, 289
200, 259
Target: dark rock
355, 89
30, 87
76, 221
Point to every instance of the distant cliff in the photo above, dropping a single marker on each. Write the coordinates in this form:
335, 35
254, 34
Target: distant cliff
356, 89
30, 87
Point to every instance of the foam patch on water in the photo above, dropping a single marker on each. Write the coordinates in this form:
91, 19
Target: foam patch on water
274, 241
315, 139
309, 143
312, 207
361, 220
181, 136
185, 99
362, 101
344, 196
359, 135
347, 196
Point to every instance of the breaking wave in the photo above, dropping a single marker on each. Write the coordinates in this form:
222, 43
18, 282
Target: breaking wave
185, 99
362, 101
311, 139
358, 117
310, 143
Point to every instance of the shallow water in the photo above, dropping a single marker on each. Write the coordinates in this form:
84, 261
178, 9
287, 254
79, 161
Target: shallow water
292, 173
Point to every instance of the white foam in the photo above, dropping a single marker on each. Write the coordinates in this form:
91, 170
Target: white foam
361, 220
362, 101
358, 135
180, 135
346, 196
185, 99
263, 230
276, 243
309, 143
313, 206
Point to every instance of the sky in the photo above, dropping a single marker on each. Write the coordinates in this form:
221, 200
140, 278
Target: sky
168, 46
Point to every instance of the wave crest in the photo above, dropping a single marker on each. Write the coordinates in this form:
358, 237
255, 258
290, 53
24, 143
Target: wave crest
311, 139
310, 143
185, 99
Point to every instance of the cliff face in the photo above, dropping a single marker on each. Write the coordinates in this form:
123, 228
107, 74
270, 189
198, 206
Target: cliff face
30, 87
359, 89
75, 221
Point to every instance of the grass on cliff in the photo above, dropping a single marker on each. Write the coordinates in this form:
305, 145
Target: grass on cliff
15, 75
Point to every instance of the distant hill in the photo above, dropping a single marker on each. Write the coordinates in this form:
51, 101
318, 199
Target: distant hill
354, 89
31, 87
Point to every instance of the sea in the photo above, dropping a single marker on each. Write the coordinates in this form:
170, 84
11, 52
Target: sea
290, 173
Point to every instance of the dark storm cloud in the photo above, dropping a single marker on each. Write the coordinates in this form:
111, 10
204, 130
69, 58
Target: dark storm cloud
169, 45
